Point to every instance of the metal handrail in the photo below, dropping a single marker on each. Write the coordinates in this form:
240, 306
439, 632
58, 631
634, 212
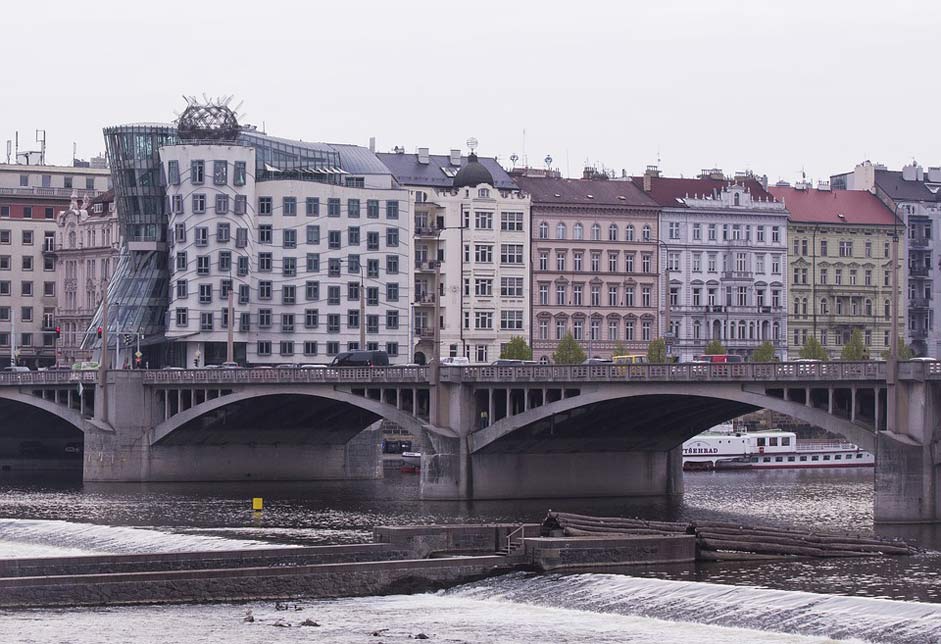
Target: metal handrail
509, 537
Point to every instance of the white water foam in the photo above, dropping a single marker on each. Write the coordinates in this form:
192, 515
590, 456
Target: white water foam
811, 614
21, 538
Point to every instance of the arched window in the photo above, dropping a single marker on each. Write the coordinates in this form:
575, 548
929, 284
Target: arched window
887, 310
543, 230
613, 232
736, 199
697, 329
839, 306
823, 306
629, 233
646, 232
868, 307
71, 239
560, 231
578, 231
595, 232
797, 306
776, 330
804, 306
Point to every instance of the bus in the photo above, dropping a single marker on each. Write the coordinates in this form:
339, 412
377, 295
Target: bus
719, 358
636, 358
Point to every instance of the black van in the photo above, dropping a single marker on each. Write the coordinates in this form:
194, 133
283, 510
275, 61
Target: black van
361, 359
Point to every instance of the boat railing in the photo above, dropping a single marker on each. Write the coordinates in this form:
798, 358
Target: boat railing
817, 445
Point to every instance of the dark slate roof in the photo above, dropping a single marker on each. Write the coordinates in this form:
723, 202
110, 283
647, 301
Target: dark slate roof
826, 206
408, 171
583, 192
472, 174
666, 190
891, 182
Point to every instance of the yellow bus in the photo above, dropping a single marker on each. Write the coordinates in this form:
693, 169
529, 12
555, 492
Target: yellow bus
637, 358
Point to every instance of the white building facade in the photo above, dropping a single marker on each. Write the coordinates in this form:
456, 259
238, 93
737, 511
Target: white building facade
472, 246
317, 257
725, 246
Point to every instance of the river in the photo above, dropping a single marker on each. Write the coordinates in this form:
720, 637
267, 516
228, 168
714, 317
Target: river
871, 600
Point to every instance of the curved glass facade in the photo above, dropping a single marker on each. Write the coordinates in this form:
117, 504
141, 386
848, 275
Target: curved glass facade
137, 294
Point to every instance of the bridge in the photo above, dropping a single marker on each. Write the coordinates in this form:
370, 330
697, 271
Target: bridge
486, 432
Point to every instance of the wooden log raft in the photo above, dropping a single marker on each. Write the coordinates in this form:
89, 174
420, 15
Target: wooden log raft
722, 541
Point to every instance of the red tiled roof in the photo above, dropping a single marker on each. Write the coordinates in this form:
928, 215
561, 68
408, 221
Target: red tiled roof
825, 206
584, 192
666, 190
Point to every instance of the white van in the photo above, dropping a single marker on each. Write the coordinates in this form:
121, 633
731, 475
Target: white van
455, 361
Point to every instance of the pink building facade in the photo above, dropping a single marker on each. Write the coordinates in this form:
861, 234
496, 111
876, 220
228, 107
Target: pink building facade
595, 265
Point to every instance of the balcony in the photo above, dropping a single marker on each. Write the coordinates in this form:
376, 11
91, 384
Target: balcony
425, 333
424, 298
743, 276
918, 271
426, 230
918, 334
427, 266
919, 303
919, 242
61, 193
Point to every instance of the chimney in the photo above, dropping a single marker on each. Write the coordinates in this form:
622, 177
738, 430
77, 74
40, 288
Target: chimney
455, 157
652, 171
588, 172
934, 175
648, 182
372, 144
908, 172
423, 156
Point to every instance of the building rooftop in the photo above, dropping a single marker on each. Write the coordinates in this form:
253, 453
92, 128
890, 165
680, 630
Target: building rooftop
834, 206
438, 172
584, 192
670, 192
898, 189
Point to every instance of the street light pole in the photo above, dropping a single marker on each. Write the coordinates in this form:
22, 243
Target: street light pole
892, 364
667, 328
362, 310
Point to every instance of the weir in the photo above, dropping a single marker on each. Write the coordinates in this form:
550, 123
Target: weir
539, 431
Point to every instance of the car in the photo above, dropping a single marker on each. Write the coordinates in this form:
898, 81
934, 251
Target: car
510, 362
455, 361
74, 449
313, 366
924, 359
16, 368
361, 359
598, 361
230, 365
172, 369
806, 360
59, 367
286, 366
212, 366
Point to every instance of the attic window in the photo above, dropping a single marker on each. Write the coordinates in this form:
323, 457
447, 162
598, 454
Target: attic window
557, 194
622, 197
590, 196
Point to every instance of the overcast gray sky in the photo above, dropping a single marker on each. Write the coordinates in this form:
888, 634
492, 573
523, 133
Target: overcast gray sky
770, 85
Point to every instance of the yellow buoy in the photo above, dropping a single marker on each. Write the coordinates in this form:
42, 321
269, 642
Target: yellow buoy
258, 504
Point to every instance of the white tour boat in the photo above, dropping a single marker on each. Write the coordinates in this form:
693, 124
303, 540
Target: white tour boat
724, 448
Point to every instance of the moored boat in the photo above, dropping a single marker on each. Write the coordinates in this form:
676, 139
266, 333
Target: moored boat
411, 461
722, 449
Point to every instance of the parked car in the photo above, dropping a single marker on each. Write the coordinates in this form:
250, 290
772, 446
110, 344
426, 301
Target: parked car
313, 366
924, 359
455, 361
74, 449
286, 366
15, 368
230, 365
598, 361
508, 362
361, 359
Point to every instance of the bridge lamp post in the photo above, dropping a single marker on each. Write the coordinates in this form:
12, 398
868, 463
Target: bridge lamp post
665, 269
892, 375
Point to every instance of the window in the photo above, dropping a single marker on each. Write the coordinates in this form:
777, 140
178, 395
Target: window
392, 210
511, 286
352, 236
289, 206
483, 319
511, 253
313, 234
205, 293
511, 320
483, 253
202, 265
265, 262
333, 295
560, 231
289, 238
543, 230
205, 321
578, 231
595, 232
238, 177
392, 265
241, 204
220, 173
372, 209
181, 261
775, 234
197, 172
286, 347
265, 234
288, 266
182, 317
287, 322
264, 290
645, 262
392, 236
27, 262
265, 205
312, 207
543, 260
674, 230
173, 173
646, 233
333, 267
27, 238
483, 287
242, 266
372, 324
244, 296
222, 233
225, 261
264, 347
222, 204
27, 212
352, 208
483, 220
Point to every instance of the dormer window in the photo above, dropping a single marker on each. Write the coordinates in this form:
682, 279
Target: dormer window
483, 193
736, 199
421, 197
97, 209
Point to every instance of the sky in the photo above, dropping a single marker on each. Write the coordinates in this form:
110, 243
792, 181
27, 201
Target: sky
779, 87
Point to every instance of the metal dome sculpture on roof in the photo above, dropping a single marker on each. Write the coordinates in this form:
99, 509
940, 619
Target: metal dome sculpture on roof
473, 173
208, 120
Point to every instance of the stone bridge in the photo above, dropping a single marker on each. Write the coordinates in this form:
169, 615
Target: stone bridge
487, 432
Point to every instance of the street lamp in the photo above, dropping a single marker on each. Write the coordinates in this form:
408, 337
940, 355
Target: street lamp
665, 269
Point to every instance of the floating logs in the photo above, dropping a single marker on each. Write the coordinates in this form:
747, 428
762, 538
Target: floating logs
722, 541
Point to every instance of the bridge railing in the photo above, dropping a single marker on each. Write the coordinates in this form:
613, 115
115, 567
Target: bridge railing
26, 378
356, 375
689, 372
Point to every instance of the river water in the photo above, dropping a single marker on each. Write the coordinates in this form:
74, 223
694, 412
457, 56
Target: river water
863, 600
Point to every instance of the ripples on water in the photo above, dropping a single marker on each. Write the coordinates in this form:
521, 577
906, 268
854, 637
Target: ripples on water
47, 519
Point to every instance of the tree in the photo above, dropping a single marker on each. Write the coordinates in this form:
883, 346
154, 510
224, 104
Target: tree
905, 351
855, 349
715, 348
813, 350
763, 353
568, 351
517, 349
657, 351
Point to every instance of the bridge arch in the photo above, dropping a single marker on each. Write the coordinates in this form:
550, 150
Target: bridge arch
71, 416
377, 409
699, 407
